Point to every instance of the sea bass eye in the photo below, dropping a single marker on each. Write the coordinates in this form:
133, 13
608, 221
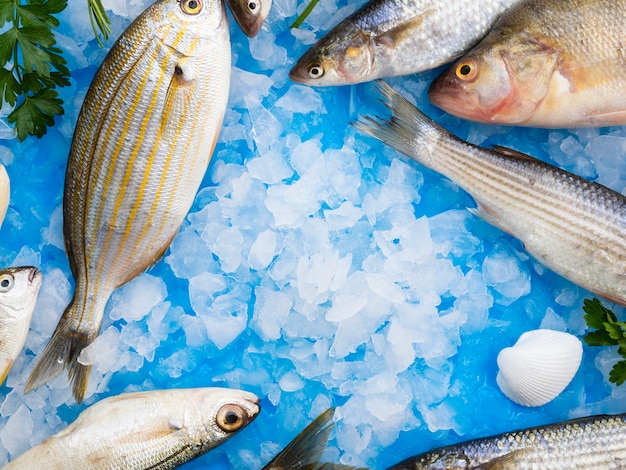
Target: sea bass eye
252, 6
191, 7
231, 418
316, 71
466, 71
6, 282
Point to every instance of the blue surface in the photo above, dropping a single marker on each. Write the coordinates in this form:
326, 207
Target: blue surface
402, 241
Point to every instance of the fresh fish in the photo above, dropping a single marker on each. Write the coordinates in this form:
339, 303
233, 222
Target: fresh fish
19, 288
142, 143
145, 430
386, 38
575, 227
5, 192
593, 443
250, 14
306, 450
545, 63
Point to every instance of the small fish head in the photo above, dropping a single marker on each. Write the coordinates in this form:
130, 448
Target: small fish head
503, 83
19, 288
250, 14
213, 415
332, 62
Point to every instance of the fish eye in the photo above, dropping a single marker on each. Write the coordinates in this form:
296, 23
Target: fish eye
6, 282
191, 7
252, 6
466, 71
316, 71
231, 418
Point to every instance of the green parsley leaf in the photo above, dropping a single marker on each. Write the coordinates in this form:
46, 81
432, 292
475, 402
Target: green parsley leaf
608, 332
36, 113
618, 373
31, 66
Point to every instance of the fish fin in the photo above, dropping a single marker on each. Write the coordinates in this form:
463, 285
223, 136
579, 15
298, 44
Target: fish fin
512, 153
61, 353
488, 216
408, 130
390, 37
7, 368
305, 451
177, 98
505, 462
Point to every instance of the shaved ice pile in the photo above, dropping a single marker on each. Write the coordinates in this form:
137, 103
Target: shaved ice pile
317, 267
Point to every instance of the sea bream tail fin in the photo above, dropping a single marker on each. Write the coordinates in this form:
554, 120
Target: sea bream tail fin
407, 130
306, 450
62, 353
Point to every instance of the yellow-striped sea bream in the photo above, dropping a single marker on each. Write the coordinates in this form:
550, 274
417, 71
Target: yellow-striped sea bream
573, 226
593, 443
142, 143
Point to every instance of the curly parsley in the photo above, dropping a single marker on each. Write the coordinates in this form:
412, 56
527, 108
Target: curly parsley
609, 332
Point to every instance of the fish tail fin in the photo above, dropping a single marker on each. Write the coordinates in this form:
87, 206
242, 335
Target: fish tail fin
306, 450
407, 130
61, 353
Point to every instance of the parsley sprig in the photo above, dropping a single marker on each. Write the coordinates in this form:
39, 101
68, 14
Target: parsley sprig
31, 65
609, 332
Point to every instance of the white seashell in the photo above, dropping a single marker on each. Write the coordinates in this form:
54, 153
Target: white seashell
539, 366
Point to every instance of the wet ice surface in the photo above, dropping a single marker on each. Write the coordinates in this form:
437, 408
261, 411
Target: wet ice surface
317, 267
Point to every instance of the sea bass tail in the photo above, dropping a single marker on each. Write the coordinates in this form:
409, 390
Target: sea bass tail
62, 353
407, 130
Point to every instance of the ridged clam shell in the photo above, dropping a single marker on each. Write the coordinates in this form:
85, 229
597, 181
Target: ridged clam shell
539, 366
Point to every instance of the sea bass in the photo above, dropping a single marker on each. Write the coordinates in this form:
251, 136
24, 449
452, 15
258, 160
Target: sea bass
19, 289
386, 38
250, 14
593, 443
159, 429
545, 63
305, 451
142, 144
573, 226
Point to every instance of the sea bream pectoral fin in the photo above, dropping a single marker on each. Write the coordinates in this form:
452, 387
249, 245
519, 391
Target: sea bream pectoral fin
512, 460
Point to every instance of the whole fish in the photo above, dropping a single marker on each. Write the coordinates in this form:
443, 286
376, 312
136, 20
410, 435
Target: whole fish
19, 289
305, 451
573, 226
386, 38
250, 14
145, 430
545, 63
593, 443
142, 143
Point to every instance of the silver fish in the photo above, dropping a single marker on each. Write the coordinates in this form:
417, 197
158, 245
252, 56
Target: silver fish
142, 143
250, 14
145, 430
386, 38
575, 227
593, 443
19, 289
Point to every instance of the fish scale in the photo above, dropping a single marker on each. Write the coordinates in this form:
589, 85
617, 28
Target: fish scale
142, 144
573, 226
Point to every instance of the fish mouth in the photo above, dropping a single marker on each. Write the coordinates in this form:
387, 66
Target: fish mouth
456, 101
34, 274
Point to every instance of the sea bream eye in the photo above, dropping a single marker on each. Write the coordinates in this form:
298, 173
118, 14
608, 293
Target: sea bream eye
252, 6
466, 71
231, 418
6, 282
191, 7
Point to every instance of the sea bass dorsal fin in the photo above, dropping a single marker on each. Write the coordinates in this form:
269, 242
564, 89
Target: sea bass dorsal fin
512, 153
390, 37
